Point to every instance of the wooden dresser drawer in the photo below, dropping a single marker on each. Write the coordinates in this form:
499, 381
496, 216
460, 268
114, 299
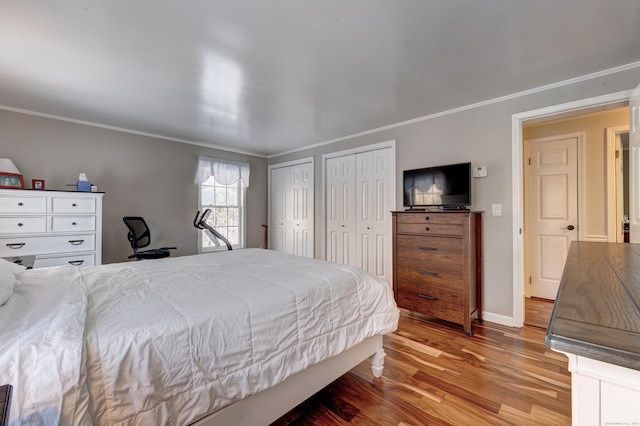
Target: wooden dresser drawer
433, 273
73, 223
63, 205
430, 229
436, 249
22, 225
20, 246
23, 205
431, 302
430, 217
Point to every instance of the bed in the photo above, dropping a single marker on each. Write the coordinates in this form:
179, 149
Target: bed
238, 337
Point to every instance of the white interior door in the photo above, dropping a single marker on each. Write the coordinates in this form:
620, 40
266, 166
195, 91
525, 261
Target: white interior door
374, 190
291, 214
279, 216
552, 211
634, 166
340, 209
302, 214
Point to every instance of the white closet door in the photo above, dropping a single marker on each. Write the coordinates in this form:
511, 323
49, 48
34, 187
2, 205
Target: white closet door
280, 221
374, 200
291, 212
340, 215
302, 213
359, 200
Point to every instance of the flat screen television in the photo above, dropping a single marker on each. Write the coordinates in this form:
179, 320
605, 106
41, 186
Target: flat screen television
446, 186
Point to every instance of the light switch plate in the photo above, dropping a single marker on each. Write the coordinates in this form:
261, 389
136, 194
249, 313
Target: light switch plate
496, 209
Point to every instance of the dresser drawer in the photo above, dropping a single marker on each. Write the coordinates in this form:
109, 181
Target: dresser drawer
18, 205
436, 249
429, 217
68, 205
75, 260
22, 225
432, 273
71, 223
20, 246
431, 301
430, 229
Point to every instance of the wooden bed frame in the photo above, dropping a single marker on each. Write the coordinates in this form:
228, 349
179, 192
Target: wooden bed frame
269, 405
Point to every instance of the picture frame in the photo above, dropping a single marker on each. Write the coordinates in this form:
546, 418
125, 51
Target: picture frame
37, 184
11, 180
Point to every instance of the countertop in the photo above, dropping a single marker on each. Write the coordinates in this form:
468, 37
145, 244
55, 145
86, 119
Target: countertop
597, 310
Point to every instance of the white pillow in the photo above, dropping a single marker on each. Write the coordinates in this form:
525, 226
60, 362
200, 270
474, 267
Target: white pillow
8, 281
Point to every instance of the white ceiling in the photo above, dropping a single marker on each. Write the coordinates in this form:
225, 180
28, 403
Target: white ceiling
267, 77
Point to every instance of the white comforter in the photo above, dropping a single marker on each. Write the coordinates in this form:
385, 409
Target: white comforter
168, 341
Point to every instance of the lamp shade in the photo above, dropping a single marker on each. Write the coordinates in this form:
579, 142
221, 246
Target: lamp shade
7, 166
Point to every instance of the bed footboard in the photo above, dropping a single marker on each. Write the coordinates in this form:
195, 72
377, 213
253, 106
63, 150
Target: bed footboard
267, 406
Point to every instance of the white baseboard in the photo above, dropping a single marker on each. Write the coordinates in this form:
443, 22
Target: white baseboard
498, 319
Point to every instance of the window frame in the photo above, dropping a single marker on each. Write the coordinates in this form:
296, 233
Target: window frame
242, 225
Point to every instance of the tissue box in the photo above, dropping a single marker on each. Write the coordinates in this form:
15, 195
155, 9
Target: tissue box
84, 186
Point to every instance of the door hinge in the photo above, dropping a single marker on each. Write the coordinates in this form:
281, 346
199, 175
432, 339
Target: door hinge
529, 160
529, 280
617, 154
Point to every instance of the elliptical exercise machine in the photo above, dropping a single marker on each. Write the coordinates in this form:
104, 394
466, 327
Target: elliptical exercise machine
200, 222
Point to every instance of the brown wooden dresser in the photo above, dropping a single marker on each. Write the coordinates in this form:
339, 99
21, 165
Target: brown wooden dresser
437, 264
5, 404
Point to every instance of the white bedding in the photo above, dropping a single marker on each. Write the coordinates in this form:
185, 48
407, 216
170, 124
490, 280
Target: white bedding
169, 341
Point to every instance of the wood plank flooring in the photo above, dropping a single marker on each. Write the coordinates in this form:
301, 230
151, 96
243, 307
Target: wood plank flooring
435, 375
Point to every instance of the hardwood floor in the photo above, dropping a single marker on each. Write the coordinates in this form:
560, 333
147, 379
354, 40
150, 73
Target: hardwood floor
435, 375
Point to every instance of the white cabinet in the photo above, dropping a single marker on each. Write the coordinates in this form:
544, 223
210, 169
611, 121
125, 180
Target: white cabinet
53, 227
359, 199
291, 208
603, 393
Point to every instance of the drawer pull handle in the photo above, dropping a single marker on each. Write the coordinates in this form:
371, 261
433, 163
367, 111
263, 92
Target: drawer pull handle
19, 223
20, 204
425, 296
435, 274
15, 245
426, 228
428, 248
76, 242
76, 262
74, 205
74, 223
426, 218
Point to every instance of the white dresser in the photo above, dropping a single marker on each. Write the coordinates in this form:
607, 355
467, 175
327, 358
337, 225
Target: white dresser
51, 228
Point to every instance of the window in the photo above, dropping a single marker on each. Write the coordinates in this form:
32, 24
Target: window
222, 188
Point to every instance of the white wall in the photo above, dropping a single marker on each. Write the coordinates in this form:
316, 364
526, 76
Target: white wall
482, 135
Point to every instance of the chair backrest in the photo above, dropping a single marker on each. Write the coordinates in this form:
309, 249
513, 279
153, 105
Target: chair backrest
139, 235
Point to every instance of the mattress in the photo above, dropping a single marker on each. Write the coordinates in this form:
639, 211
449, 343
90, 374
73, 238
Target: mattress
169, 341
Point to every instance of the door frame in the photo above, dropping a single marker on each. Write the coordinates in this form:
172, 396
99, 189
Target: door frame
517, 170
612, 179
579, 194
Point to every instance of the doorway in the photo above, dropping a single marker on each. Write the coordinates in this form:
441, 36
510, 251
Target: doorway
585, 106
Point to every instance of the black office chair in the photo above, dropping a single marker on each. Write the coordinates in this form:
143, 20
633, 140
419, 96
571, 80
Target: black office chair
139, 236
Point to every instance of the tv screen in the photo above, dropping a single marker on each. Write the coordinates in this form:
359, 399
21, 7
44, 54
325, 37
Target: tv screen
441, 186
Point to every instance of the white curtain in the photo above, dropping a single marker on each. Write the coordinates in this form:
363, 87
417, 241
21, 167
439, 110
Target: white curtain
225, 172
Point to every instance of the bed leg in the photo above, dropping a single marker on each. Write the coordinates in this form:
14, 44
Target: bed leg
377, 360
